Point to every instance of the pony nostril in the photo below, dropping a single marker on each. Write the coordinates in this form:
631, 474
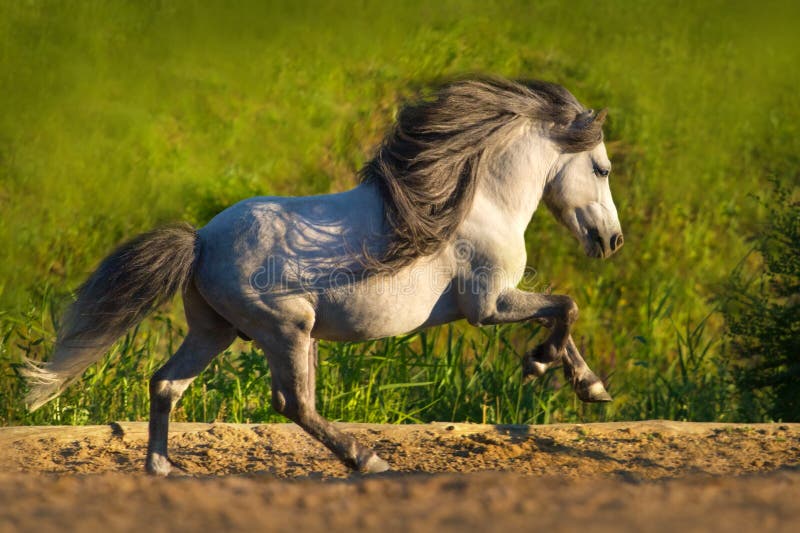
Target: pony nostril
616, 241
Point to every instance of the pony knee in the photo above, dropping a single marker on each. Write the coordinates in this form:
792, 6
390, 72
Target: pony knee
571, 310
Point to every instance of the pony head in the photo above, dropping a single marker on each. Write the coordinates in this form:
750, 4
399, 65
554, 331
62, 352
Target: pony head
578, 192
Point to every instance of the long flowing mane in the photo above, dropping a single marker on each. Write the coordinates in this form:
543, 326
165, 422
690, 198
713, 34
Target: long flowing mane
428, 166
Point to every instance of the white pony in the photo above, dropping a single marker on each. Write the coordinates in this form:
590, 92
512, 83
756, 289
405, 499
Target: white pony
434, 233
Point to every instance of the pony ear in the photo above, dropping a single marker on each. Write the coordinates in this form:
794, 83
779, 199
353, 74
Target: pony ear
589, 118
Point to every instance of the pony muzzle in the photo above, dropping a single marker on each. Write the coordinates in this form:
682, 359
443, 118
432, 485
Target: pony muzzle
603, 247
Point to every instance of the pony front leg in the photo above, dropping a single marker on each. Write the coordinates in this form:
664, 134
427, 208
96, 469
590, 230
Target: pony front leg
514, 305
586, 384
559, 313
533, 367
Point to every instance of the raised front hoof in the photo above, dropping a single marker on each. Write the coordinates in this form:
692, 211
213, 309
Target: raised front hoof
532, 369
592, 391
158, 465
546, 353
372, 465
537, 361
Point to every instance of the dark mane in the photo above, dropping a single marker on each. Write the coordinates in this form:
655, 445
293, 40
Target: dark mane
427, 167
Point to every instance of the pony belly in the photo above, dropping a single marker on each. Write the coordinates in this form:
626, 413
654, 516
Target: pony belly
368, 316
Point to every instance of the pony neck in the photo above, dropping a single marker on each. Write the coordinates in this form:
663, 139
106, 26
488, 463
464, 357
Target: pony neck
516, 175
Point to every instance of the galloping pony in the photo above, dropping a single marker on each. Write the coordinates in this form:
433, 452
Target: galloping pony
433, 233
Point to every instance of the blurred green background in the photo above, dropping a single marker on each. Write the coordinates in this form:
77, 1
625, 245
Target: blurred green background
116, 116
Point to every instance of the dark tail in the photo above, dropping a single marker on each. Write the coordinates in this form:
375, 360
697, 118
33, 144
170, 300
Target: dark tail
136, 278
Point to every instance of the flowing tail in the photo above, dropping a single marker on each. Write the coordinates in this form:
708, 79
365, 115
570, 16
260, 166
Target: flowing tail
136, 278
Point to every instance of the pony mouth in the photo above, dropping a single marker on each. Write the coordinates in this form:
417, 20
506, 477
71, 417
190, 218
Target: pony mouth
593, 244
595, 250
600, 249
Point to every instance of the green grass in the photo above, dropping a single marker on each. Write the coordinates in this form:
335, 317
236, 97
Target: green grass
117, 116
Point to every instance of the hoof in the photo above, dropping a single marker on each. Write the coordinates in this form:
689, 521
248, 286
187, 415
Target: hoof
592, 392
533, 369
546, 353
536, 362
158, 465
374, 465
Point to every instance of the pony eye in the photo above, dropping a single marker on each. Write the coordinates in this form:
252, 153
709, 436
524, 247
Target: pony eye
601, 171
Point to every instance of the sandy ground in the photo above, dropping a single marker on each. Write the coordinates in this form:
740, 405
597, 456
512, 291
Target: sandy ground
655, 476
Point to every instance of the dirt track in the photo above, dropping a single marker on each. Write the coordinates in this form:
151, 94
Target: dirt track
623, 476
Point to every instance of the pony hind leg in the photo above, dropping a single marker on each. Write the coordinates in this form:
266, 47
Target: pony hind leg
209, 334
292, 360
313, 362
